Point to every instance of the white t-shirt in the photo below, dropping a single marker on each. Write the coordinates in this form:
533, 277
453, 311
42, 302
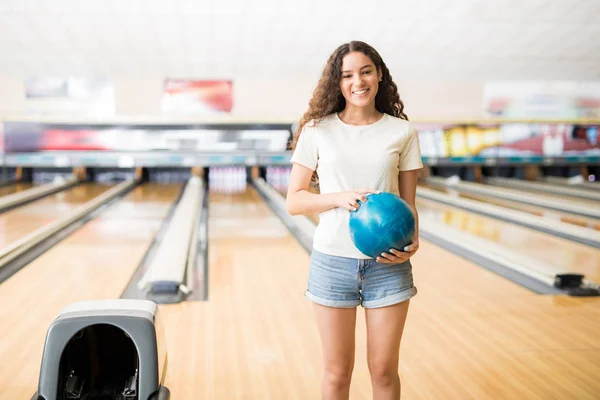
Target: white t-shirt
349, 157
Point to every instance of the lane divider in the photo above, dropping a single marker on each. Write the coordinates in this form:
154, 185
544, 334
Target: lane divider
513, 260
579, 234
28, 195
511, 194
196, 278
544, 187
16, 249
166, 272
576, 181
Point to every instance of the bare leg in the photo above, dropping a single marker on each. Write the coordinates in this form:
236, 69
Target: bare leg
384, 333
336, 327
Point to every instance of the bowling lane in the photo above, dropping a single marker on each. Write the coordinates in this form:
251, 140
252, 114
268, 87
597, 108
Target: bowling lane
554, 215
554, 197
14, 188
95, 262
551, 249
580, 183
20, 221
255, 337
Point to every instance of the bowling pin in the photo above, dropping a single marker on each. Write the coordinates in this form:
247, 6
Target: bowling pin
547, 144
242, 179
279, 178
288, 171
217, 179
236, 179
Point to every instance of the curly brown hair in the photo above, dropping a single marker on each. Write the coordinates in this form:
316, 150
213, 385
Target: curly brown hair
327, 97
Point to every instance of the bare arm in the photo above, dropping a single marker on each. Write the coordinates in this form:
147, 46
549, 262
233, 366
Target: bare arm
300, 201
407, 185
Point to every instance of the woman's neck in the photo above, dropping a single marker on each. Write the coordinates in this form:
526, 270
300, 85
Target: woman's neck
359, 115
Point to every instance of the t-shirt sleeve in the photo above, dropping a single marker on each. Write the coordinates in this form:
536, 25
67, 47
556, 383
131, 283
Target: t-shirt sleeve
306, 149
410, 153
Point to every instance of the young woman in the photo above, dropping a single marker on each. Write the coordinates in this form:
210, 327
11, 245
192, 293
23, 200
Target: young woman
356, 140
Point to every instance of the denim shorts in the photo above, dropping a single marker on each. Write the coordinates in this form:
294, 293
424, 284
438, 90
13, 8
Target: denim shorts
342, 282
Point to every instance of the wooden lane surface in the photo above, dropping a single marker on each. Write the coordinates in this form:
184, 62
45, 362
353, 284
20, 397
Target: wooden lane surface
553, 215
19, 222
247, 341
555, 197
470, 334
14, 188
566, 254
95, 262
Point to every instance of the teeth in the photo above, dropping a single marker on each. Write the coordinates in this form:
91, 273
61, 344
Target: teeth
360, 91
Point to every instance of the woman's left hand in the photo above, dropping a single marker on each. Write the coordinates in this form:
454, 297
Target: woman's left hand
396, 257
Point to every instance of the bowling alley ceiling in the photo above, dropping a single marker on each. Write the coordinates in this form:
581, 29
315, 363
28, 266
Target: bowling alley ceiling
262, 39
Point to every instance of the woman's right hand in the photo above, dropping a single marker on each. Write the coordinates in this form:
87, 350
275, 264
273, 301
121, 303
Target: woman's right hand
349, 200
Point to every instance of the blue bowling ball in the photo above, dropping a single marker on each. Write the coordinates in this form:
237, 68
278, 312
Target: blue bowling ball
383, 222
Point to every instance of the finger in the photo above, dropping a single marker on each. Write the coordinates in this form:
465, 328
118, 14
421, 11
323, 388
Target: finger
398, 256
353, 198
360, 196
406, 255
411, 247
396, 260
388, 256
397, 253
352, 206
402, 254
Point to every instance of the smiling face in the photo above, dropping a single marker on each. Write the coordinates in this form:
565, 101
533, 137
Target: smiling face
359, 80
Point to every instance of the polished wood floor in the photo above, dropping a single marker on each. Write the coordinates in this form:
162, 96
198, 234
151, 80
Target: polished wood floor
555, 197
14, 188
21, 221
554, 215
552, 250
95, 262
470, 334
